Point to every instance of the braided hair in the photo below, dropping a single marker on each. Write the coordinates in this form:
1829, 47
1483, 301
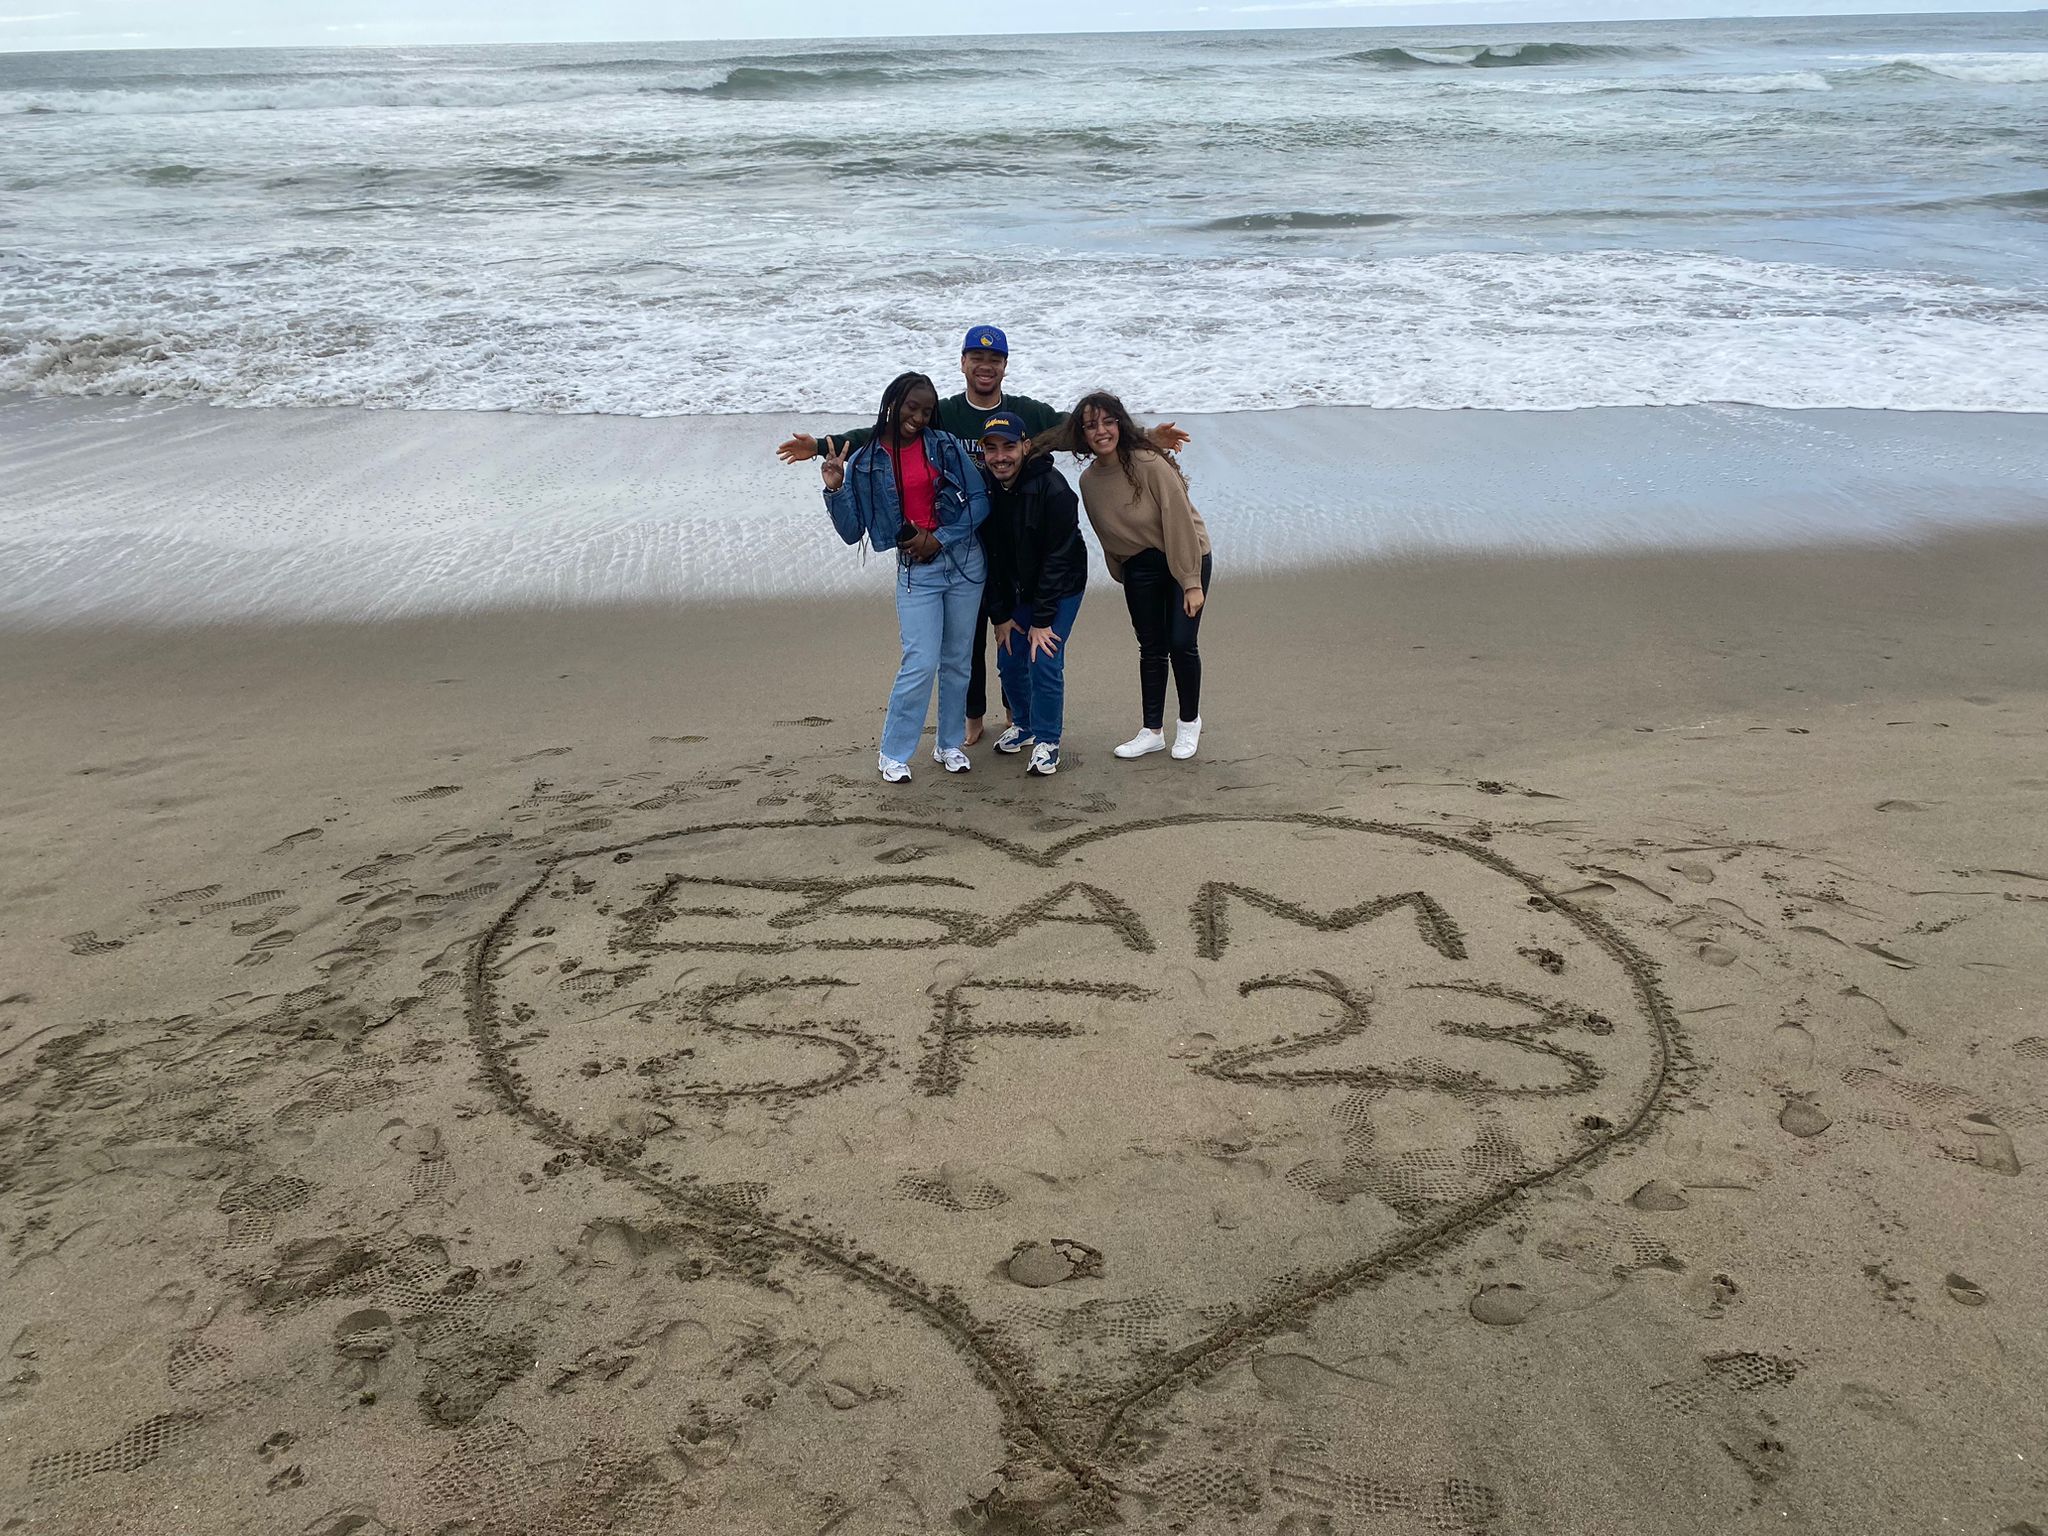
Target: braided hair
892, 405
886, 436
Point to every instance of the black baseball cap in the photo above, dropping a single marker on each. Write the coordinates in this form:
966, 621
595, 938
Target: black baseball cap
1006, 424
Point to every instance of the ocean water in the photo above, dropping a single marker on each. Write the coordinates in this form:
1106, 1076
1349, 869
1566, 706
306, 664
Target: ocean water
1841, 212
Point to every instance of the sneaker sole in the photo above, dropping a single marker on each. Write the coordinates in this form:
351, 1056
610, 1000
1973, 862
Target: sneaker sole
1143, 752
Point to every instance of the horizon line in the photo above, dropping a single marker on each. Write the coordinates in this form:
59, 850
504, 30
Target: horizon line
927, 37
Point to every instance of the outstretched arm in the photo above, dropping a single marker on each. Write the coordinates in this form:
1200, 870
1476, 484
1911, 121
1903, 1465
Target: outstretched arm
801, 447
1058, 438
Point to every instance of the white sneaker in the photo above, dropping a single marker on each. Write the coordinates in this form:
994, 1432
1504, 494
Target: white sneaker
952, 759
893, 772
1187, 736
1014, 739
1145, 741
1045, 759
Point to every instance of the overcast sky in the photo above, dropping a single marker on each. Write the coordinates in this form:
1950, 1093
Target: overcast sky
229, 23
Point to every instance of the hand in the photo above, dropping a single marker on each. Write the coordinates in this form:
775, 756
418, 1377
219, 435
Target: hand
924, 548
834, 468
1043, 641
798, 449
1166, 435
1191, 601
1003, 633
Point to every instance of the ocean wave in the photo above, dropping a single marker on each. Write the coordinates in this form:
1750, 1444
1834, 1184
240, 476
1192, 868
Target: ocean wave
530, 86
413, 329
752, 83
1969, 68
1260, 223
317, 95
632, 65
1500, 55
2031, 201
1744, 85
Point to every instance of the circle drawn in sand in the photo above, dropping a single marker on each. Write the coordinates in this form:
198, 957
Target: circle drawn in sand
1135, 1018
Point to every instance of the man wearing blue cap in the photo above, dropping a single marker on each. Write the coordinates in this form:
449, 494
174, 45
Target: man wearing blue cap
984, 361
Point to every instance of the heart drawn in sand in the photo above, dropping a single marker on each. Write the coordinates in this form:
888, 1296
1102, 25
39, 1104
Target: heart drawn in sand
1248, 1063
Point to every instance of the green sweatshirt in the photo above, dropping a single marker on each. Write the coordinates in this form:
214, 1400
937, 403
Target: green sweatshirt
961, 417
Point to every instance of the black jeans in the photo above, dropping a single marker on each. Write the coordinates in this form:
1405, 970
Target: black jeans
977, 676
1166, 636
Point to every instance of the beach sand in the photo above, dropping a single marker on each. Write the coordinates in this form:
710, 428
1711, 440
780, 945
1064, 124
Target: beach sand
1568, 1057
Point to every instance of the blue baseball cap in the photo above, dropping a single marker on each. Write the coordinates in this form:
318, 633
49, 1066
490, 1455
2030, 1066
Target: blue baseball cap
1005, 424
986, 338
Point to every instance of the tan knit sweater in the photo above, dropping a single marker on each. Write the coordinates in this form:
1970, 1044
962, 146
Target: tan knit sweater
1153, 514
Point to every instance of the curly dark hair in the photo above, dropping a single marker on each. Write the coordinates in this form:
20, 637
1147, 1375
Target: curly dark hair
1130, 437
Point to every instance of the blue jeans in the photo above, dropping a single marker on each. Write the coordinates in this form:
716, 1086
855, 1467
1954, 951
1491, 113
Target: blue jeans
938, 610
1037, 690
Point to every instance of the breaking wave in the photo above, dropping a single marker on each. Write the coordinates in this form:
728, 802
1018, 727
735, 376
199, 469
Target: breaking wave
1501, 55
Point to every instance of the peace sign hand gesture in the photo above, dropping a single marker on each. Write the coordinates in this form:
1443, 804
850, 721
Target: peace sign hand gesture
834, 466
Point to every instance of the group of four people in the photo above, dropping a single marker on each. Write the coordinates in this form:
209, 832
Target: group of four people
986, 533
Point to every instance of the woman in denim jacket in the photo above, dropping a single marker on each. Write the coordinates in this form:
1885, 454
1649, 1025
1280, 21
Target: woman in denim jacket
917, 491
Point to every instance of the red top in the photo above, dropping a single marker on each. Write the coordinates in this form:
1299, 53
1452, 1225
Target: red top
920, 485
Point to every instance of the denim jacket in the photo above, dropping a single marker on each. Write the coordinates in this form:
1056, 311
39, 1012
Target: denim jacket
867, 502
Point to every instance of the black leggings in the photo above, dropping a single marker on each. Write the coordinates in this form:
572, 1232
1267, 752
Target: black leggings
977, 677
1166, 636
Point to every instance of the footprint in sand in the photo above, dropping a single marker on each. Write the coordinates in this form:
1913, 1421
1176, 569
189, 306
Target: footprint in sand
1802, 1117
1711, 1296
1994, 1146
1964, 1292
1878, 1017
1504, 1304
1792, 1045
1039, 1264
1659, 1195
1298, 1377
431, 792
362, 1341
351, 1520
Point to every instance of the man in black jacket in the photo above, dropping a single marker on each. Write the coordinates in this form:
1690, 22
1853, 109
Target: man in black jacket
1037, 571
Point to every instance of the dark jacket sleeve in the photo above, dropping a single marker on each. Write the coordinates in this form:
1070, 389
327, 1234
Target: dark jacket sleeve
999, 592
1050, 572
852, 437
1039, 418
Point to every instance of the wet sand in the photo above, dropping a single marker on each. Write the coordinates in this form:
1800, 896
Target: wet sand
123, 511
1567, 1056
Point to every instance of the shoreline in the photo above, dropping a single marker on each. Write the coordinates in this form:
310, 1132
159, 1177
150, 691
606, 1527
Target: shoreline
172, 514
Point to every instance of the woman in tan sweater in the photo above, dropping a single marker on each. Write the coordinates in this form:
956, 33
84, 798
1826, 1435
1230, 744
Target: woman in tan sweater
1158, 550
